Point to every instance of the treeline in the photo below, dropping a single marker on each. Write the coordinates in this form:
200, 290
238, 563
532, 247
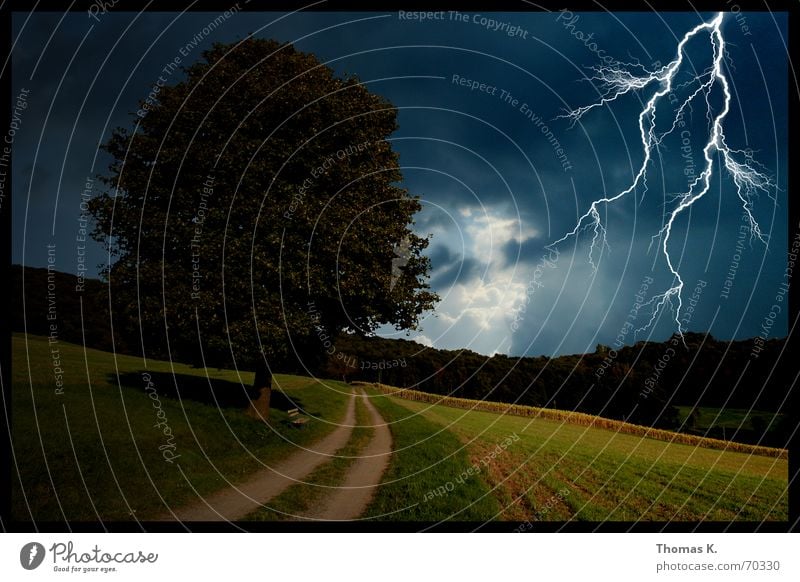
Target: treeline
641, 384
54, 299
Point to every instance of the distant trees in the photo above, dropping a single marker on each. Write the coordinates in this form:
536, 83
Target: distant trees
710, 373
80, 309
633, 386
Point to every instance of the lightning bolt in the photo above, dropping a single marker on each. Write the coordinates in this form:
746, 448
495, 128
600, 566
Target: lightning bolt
748, 175
32, 555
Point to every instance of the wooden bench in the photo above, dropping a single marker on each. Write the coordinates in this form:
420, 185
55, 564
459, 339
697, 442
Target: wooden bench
296, 418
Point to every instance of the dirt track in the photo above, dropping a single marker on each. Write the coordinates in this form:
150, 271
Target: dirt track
237, 501
350, 499
346, 502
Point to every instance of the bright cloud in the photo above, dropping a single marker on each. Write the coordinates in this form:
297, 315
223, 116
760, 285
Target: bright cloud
475, 313
488, 234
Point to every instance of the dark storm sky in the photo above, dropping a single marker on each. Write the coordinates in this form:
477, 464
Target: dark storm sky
494, 188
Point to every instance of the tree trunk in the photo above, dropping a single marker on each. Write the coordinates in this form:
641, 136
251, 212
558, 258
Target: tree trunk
262, 388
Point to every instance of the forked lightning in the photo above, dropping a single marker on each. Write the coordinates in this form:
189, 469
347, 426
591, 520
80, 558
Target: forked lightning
617, 80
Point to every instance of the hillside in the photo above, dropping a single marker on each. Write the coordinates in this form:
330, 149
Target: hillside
124, 439
541, 469
627, 384
93, 451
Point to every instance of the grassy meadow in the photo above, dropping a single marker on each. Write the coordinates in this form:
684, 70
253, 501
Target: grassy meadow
97, 451
562, 471
93, 452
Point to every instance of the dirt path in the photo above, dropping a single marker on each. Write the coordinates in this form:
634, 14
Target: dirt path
351, 498
237, 501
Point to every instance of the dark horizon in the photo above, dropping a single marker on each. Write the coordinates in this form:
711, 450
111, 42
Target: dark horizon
81, 286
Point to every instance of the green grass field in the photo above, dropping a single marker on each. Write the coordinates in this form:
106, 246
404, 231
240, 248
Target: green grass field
427, 458
558, 471
93, 452
728, 418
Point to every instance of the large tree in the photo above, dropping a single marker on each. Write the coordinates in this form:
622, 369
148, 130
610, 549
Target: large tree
254, 213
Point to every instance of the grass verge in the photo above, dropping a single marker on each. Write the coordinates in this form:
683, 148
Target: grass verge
427, 476
95, 450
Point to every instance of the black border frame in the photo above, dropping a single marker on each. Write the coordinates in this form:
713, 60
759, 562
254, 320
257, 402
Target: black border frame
8, 7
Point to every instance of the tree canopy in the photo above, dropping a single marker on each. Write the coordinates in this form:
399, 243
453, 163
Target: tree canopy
254, 208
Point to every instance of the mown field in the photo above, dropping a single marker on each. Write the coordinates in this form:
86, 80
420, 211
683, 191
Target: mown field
560, 471
96, 451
